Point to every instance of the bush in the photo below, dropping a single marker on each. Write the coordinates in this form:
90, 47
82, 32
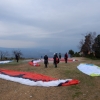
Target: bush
91, 56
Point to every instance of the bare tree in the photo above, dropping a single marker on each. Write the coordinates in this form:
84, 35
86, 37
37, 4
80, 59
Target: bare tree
17, 54
3, 54
81, 44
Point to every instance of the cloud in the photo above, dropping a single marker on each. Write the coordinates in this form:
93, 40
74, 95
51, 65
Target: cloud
16, 44
44, 23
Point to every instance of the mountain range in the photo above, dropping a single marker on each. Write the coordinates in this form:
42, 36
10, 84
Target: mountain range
29, 52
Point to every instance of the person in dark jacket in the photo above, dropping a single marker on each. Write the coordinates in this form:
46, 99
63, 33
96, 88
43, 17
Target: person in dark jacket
46, 61
59, 55
17, 57
56, 60
66, 57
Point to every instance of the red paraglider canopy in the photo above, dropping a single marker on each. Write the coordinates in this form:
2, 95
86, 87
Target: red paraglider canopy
35, 79
34, 62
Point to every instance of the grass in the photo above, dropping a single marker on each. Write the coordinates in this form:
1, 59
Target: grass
87, 89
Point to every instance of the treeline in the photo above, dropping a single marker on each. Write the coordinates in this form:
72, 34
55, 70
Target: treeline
89, 46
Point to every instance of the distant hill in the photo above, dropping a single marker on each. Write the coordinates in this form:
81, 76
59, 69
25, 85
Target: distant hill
29, 52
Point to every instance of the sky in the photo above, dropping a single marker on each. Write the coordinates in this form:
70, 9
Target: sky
50, 24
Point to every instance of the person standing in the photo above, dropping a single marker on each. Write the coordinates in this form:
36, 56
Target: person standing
59, 55
66, 57
17, 57
56, 60
46, 61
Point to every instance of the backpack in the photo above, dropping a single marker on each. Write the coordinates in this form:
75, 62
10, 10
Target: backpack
57, 60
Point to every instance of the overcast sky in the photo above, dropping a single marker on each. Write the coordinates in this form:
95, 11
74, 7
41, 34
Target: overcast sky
51, 24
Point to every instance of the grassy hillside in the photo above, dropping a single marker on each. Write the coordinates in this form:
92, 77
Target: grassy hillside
87, 89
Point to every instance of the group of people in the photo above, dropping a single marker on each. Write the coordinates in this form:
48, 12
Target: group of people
56, 59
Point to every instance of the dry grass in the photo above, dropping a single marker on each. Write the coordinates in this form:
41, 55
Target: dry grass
87, 89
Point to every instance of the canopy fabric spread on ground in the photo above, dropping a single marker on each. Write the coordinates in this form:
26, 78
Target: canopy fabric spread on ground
4, 62
34, 62
35, 79
89, 69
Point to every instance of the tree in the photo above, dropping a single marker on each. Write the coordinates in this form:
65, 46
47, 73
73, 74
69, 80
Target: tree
3, 54
76, 54
81, 44
86, 44
17, 54
96, 46
71, 52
